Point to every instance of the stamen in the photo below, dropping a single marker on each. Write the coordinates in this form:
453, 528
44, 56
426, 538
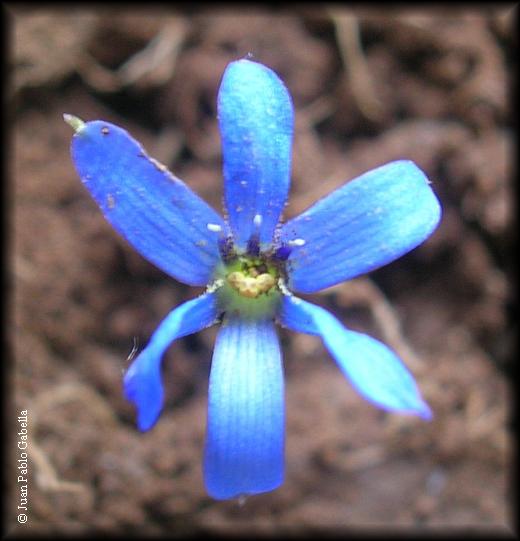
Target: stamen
253, 244
225, 247
282, 253
225, 242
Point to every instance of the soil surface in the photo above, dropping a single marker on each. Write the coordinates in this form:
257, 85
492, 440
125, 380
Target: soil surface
369, 86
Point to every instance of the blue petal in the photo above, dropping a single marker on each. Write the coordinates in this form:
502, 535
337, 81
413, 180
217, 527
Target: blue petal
244, 451
367, 223
142, 381
256, 125
156, 212
374, 370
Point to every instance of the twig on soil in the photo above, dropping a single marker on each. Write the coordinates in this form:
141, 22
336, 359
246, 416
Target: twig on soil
68, 392
95, 75
316, 112
156, 61
158, 58
347, 33
46, 475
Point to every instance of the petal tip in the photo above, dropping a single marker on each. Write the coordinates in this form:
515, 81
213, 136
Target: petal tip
247, 62
418, 408
424, 412
220, 491
74, 122
146, 422
147, 411
144, 390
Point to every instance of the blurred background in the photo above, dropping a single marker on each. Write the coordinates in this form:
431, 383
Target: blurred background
369, 86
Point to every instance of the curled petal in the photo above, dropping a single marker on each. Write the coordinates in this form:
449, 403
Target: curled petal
142, 381
365, 224
374, 370
244, 451
155, 211
256, 124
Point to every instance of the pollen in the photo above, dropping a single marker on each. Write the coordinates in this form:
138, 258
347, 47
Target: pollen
251, 286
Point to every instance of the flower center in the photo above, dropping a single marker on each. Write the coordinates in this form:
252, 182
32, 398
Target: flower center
252, 278
249, 285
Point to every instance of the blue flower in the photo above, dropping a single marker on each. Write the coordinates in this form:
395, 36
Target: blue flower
251, 265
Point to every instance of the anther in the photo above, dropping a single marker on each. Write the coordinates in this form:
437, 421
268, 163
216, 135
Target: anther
215, 228
282, 253
257, 221
217, 284
283, 288
296, 242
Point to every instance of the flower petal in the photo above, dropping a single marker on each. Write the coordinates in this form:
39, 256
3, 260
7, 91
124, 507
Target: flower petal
244, 451
142, 381
156, 212
375, 371
367, 223
256, 125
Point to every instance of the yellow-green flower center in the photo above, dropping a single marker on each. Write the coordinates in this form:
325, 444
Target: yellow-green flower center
249, 286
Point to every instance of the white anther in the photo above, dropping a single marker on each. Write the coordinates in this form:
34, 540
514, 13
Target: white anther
296, 242
217, 284
257, 220
214, 227
283, 288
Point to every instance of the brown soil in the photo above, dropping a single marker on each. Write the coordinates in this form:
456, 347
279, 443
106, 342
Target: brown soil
368, 86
